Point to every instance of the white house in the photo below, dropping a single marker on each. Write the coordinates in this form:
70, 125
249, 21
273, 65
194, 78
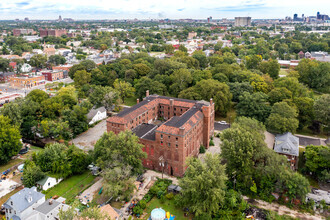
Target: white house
47, 182
26, 68
95, 115
22, 204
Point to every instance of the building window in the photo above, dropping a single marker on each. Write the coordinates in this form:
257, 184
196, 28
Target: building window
169, 144
161, 136
174, 109
176, 146
169, 137
176, 138
11, 203
161, 143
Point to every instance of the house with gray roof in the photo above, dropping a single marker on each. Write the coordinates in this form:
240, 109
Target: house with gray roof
287, 144
48, 210
97, 114
22, 204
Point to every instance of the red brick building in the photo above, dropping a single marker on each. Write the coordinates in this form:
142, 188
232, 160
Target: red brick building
52, 32
169, 128
53, 75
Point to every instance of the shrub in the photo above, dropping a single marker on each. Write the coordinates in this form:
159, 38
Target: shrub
202, 149
160, 194
138, 210
143, 204
211, 143
169, 196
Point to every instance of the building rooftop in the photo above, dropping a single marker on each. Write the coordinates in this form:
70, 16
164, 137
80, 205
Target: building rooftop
24, 199
145, 131
47, 206
287, 144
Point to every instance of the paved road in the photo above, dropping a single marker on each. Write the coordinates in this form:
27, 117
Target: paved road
87, 140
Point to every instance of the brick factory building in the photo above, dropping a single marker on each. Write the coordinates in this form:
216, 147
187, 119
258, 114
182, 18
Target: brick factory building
171, 129
53, 75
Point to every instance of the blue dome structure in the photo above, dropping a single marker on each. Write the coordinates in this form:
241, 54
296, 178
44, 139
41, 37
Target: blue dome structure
158, 214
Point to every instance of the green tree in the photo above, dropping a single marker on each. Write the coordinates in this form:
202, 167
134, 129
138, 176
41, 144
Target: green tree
207, 89
37, 95
201, 57
56, 60
38, 61
180, 80
236, 89
253, 105
31, 174
183, 48
81, 78
252, 61
282, 119
124, 89
322, 110
124, 148
141, 69
76, 118
317, 161
279, 94
118, 182
199, 195
305, 108
4, 64
10, 143
292, 84
145, 83
315, 74
272, 67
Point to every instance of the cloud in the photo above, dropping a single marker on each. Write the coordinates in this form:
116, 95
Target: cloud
180, 9
20, 4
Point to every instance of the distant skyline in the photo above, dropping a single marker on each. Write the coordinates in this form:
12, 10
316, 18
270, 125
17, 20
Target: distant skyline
145, 9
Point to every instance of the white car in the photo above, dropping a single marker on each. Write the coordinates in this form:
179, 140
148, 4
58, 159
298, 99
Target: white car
223, 122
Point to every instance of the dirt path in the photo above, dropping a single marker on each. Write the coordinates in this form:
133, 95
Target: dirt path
282, 210
88, 194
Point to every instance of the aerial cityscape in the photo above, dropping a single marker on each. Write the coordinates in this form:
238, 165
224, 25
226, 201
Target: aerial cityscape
176, 110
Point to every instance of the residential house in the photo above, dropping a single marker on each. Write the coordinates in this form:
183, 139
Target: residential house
95, 115
21, 205
26, 68
47, 182
288, 145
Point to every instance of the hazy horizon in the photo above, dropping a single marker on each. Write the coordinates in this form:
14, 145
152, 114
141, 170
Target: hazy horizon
149, 9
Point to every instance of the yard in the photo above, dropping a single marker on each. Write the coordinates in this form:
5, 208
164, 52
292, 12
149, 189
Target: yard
72, 186
17, 161
168, 206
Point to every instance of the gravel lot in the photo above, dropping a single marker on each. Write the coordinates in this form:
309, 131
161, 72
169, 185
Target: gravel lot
87, 140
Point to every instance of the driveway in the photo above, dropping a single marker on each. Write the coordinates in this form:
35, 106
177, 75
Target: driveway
87, 140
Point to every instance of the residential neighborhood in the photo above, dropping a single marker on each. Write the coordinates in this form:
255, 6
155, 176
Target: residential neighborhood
165, 119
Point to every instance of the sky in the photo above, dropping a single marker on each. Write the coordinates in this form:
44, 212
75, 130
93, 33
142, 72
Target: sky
155, 9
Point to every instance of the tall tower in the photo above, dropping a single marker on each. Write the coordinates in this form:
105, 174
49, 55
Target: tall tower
60, 18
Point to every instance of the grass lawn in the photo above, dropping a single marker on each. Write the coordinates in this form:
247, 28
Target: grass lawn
283, 72
10, 164
130, 101
70, 187
168, 206
17, 161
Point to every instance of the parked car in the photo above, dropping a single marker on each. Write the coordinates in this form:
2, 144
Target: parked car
223, 122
